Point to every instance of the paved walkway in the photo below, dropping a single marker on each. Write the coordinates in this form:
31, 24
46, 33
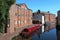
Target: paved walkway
8, 36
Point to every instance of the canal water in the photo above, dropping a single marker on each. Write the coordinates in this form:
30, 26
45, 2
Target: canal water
47, 35
37, 35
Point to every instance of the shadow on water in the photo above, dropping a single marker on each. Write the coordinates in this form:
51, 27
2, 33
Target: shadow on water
58, 31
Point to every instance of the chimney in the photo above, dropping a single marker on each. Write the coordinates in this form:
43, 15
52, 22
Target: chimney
38, 12
48, 12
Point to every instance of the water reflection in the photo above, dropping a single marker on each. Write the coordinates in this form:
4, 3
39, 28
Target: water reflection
48, 35
58, 34
37, 35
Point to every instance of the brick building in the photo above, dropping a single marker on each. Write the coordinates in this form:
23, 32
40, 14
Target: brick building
20, 16
37, 18
58, 19
51, 18
58, 25
48, 17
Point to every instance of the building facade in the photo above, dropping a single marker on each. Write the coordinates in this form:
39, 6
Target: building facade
58, 17
48, 18
37, 18
51, 18
20, 16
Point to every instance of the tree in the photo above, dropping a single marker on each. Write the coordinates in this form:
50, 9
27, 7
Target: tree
4, 13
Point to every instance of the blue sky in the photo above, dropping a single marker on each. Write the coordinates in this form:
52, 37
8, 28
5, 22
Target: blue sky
44, 5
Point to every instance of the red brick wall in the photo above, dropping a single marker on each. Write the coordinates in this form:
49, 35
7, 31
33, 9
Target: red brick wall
22, 20
12, 18
52, 19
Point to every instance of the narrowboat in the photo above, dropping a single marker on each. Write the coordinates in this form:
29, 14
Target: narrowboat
27, 31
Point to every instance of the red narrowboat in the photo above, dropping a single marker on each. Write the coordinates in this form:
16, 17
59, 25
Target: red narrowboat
27, 31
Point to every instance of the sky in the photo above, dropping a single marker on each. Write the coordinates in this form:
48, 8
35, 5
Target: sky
43, 5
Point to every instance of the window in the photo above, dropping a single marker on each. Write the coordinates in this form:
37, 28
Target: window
25, 21
8, 22
25, 30
15, 22
33, 14
40, 22
23, 12
19, 22
22, 22
17, 14
18, 8
23, 15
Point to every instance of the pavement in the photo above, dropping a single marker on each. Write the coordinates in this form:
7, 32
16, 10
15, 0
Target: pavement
9, 36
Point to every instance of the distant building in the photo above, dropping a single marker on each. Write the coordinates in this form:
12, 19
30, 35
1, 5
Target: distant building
20, 16
58, 20
48, 17
58, 15
51, 18
37, 18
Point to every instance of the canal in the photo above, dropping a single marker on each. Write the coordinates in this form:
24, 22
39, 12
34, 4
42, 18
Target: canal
47, 35
37, 35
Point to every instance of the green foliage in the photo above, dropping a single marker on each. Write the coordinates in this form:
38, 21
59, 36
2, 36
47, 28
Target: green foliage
4, 12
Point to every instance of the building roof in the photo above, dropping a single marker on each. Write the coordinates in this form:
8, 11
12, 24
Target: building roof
42, 12
23, 4
38, 16
58, 10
